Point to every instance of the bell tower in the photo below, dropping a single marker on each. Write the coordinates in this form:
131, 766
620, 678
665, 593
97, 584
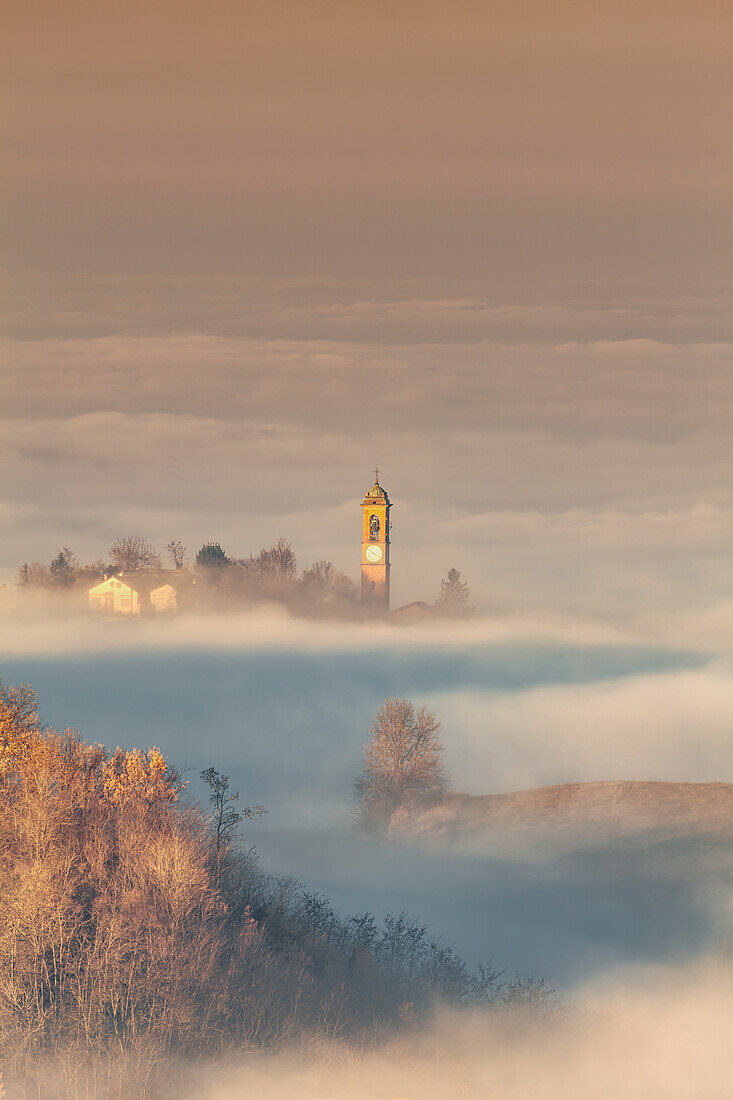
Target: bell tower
375, 548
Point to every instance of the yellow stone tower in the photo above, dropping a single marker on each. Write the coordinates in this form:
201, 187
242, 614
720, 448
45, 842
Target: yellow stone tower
375, 548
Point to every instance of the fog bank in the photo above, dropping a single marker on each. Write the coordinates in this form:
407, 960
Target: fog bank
654, 1033
283, 708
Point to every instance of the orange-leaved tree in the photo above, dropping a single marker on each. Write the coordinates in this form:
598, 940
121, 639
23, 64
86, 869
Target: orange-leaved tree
18, 726
111, 920
131, 775
127, 914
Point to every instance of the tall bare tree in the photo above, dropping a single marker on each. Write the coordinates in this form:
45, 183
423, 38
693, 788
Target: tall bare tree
403, 761
177, 551
226, 815
277, 560
134, 552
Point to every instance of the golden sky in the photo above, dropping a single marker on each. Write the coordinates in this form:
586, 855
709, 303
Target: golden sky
509, 141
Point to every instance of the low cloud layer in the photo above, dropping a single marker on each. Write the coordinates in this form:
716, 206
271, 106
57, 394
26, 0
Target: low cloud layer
283, 707
669, 726
656, 1033
586, 475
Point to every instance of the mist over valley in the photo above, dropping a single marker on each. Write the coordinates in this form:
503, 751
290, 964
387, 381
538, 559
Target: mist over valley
366, 544
285, 715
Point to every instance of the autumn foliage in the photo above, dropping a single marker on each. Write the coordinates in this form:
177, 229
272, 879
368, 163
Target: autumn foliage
102, 883
131, 922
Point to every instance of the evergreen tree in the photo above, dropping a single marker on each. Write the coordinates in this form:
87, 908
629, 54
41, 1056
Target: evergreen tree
211, 557
453, 598
63, 568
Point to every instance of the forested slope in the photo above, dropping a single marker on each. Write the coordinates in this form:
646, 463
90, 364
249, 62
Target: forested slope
130, 923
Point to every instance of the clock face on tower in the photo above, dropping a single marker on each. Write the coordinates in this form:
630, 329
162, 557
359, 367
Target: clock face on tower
373, 553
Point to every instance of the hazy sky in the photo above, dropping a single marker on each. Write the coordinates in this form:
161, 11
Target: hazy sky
252, 248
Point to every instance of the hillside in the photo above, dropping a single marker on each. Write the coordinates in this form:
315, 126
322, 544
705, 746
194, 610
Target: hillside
135, 925
611, 809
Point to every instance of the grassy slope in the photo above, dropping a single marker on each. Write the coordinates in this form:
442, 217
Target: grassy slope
616, 807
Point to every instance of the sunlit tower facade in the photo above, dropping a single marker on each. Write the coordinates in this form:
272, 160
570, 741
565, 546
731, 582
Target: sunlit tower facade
375, 563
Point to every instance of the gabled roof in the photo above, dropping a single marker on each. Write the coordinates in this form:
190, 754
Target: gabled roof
413, 612
144, 581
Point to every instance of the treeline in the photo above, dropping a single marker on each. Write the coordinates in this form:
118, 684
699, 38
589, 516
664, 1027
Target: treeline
135, 927
216, 580
273, 574
221, 581
65, 571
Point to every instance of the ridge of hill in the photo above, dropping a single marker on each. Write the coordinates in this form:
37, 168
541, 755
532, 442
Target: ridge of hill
609, 807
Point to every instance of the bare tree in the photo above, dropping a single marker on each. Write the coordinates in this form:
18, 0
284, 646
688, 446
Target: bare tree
271, 574
403, 762
93, 571
324, 582
277, 560
318, 579
177, 551
34, 574
134, 552
226, 816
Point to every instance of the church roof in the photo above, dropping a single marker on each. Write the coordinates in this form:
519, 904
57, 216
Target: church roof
376, 493
413, 612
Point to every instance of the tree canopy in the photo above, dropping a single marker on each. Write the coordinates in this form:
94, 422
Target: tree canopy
211, 555
403, 761
63, 568
134, 552
132, 922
